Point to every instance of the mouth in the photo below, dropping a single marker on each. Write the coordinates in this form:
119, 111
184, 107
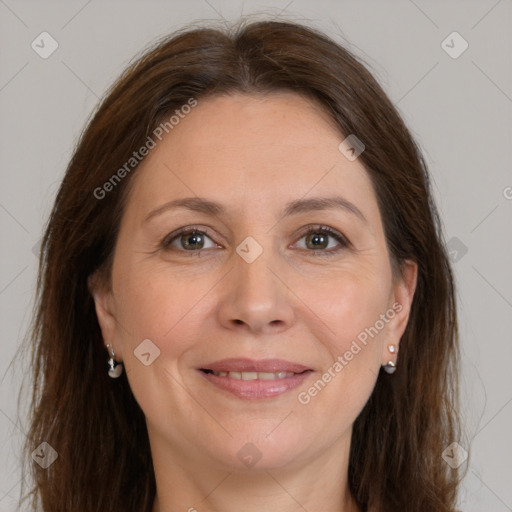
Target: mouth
252, 380
252, 375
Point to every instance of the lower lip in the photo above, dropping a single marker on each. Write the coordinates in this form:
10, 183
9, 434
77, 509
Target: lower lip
256, 389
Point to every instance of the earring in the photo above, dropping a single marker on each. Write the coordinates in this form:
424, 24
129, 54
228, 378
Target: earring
116, 369
390, 366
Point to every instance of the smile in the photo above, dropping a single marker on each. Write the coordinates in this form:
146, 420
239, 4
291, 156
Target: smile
253, 380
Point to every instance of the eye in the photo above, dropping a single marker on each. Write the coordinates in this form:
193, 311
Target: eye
318, 239
188, 239
323, 239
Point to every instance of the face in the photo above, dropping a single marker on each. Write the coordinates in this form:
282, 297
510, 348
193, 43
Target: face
252, 300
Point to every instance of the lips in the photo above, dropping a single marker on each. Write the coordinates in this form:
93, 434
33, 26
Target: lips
251, 379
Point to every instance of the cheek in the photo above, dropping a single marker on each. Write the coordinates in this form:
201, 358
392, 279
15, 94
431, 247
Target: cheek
356, 311
350, 302
351, 362
147, 302
353, 320
159, 315
165, 307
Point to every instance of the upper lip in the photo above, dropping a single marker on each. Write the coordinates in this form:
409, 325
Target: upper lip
253, 365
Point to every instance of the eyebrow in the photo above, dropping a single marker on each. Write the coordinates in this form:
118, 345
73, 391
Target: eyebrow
201, 205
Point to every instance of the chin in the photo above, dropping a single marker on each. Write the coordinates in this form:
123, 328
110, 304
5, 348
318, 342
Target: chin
256, 451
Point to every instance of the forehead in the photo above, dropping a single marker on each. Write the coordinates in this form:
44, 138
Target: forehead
252, 150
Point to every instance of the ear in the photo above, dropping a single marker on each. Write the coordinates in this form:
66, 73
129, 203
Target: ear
105, 312
401, 298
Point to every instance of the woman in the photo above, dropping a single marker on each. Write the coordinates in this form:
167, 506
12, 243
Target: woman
246, 235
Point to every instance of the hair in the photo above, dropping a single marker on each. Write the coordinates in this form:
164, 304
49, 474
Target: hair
93, 422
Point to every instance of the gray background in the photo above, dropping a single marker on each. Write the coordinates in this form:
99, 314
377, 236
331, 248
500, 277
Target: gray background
458, 109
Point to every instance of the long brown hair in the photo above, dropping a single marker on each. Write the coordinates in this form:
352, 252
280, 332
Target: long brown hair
94, 423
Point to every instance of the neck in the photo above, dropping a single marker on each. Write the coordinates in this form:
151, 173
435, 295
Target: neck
233, 492
318, 485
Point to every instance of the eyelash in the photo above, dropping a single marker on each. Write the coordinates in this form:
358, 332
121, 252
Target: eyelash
319, 229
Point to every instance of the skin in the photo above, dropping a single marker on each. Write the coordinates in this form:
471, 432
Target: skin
252, 154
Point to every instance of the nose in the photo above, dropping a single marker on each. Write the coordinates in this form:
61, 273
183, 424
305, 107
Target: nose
255, 297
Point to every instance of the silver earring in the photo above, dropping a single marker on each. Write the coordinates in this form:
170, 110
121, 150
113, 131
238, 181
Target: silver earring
116, 369
389, 367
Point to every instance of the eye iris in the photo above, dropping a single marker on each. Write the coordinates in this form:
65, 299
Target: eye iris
318, 241
192, 241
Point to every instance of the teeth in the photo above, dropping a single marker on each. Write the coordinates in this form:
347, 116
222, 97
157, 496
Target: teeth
266, 376
254, 375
